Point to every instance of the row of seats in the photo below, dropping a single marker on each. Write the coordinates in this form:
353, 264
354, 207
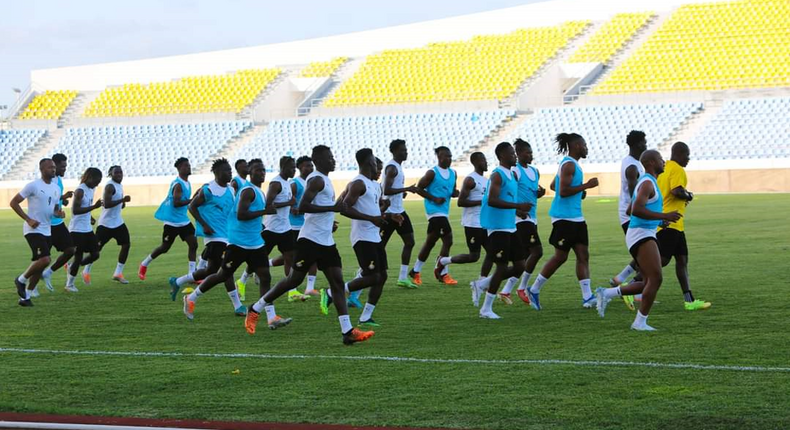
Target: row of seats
485, 67
422, 132
14, 143
744, 129
196, 94
321, 69
710, 46
611, 37
604, 128
145, 150
48, 105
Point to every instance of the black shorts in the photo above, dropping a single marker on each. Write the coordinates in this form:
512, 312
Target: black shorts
215, 251
39, 244
235, 256
635, 248
372, 257
294, 236
672, 243
567, 234
504, 247
309, 253
184, 232
106, 234
403, 229
527, 233
60, 237
283, 241
440, 225
625, 226
476, 238
85, 242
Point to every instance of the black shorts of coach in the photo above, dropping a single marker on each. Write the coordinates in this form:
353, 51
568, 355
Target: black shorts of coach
391, 226
170, 233
283, 241
504, 247
106, 234
371, 256
567, 234
309, 253
672, 243
39, 245
60, 237
476, 239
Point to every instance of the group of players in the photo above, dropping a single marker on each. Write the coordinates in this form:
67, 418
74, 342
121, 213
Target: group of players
241, 225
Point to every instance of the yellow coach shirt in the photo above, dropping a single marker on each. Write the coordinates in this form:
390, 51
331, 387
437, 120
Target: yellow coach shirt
674, 176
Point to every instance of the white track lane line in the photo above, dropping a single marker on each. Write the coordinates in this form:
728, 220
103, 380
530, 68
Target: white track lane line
584, 363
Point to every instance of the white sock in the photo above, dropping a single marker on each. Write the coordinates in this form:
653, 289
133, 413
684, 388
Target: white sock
628, 271
192, 266
310, 283
446, 270
445, 260
118, 269
511, 282
46, 273
270, 313
367, 312
638, 296
259, 305
234, 298
329, 292
524, 281
87, 269
611, 293
640, 319
358, 273
585, 286
271, 262
418, 266
484, 283
69, 280
345, 323
538, 284
488, 303
404, 272
194, 295
244, 276
186, 279
147, 261
345, 286
22, 279
201, 263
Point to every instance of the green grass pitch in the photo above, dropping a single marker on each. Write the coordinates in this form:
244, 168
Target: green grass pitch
739, 260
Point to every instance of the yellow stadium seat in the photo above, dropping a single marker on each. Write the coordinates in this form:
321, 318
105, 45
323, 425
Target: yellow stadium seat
48, 105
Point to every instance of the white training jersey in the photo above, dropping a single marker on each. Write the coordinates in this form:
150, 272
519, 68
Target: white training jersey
111, 218
625, 196
279, 221
396, 200
318, 226
82, 223
41, 199
470, 217
367, 204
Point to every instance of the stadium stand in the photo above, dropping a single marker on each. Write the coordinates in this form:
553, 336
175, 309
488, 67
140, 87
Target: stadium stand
345, 135
710, 46
188, 95
603, 127
145, 150
48, 105
323, 68
611, 38
746, 129
490, 67
14, 143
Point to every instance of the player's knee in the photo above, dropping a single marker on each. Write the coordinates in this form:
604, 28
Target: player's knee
45, 260
381, 278
536, 252
474, 257
69, 252
408, 242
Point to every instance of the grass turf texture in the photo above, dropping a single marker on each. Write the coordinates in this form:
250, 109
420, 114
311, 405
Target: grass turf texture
739, 249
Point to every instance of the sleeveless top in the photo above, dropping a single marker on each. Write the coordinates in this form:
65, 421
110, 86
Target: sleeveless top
167, 212
246, 234
297, 221
470, 217
498, 219
279, 222
82, 223
625, 195
215, 210
111, 218
567, 208
318, 226
396, 200
368, 204
528, 190
440, 187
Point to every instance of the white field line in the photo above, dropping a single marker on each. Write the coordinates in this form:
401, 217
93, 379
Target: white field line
578, 363
58, 426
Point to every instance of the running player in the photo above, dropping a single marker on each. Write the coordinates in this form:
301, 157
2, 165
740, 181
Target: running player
438, 186
81, 226
362, 201
315, 245
646, 215
245, 242
240, 180
211, 208
569, 230
173, 213
394, 191
43, 202
111, 225
672, 239
470, 200
498, 217
61, 239
630, 171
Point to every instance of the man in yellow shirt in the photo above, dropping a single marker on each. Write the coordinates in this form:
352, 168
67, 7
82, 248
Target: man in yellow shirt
672, 238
